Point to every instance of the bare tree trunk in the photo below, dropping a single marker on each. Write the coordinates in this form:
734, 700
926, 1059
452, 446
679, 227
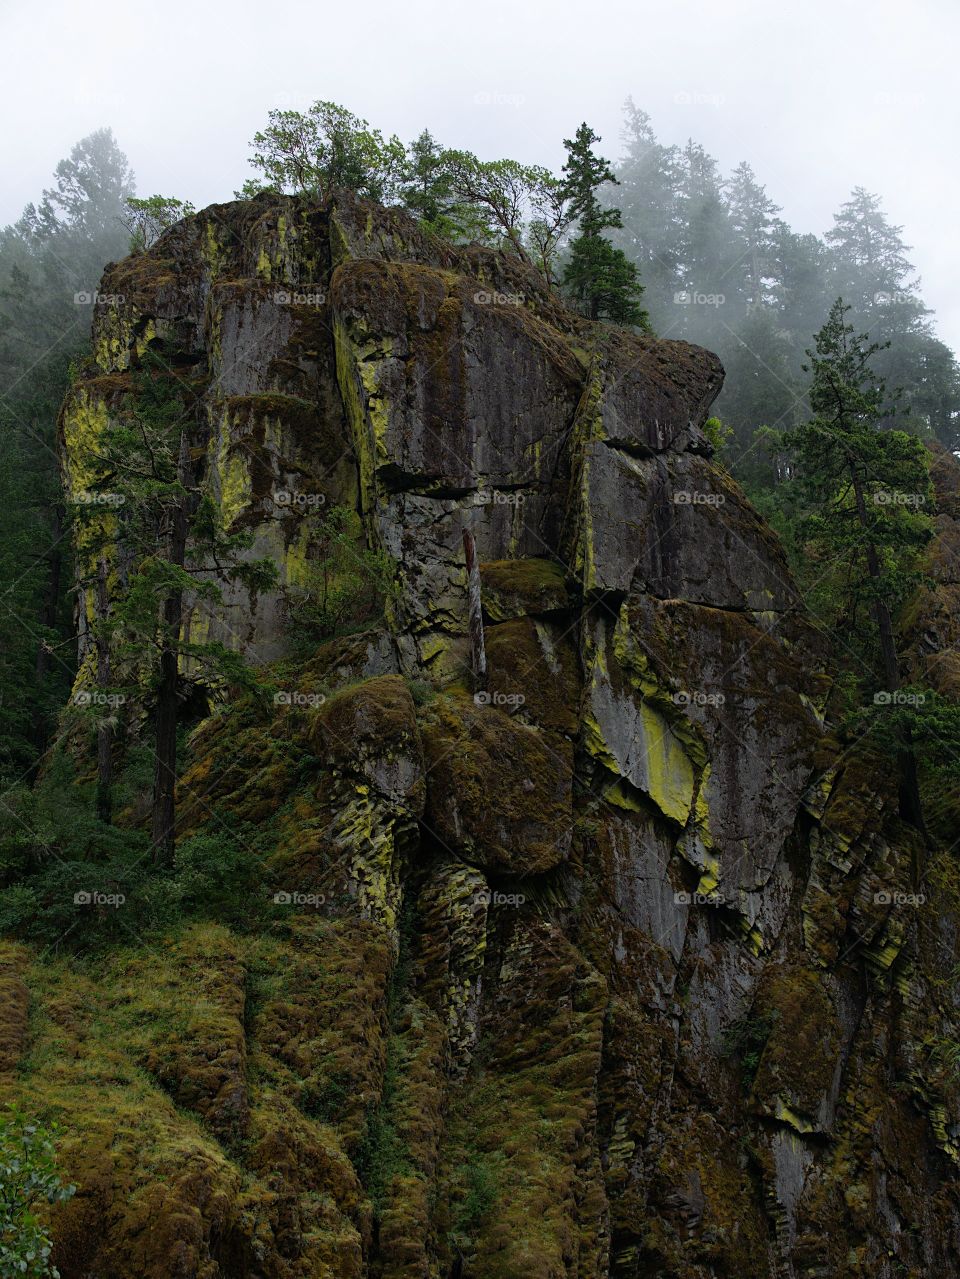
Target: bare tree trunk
167, 709
475, 613
104, 727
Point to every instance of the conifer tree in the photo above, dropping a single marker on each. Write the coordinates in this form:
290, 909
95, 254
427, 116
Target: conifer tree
598, 275
865, 489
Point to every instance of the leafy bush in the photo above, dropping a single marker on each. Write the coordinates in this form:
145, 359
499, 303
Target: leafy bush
718, 434
221, 876
422, 691
28, 1175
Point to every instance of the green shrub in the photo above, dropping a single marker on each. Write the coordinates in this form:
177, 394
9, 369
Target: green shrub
221, 875
68, 878
28, 1176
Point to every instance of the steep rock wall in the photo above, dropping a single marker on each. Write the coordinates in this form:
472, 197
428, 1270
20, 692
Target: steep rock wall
610, 976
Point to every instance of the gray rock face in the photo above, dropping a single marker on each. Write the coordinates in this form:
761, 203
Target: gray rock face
700, 1043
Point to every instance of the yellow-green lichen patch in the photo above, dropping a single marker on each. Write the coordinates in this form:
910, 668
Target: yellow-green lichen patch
659, 768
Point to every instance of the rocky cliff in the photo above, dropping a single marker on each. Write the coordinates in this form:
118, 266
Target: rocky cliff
625, 966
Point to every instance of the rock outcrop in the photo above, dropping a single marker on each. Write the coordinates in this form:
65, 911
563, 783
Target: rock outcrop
614, 969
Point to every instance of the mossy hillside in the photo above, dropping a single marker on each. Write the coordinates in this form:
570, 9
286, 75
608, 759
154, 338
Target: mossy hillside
194, 1049
795, 1076
534, 673
369, 737
334, 780
834, 1214
318, 1022
405, 1136
268, 738
634, 1076
850, 858
115, 1058
709, 1218
410, 1077
14, 1005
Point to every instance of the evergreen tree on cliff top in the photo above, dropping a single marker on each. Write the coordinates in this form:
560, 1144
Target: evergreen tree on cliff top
598, 276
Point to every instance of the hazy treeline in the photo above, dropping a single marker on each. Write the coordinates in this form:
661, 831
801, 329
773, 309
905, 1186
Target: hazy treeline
721, 267
51, 261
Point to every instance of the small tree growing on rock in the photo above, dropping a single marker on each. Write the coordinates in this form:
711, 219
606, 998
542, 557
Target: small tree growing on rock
598, 276
864, 490
147, 219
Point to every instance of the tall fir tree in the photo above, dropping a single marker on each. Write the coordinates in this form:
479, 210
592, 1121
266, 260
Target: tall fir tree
646, 194
598, 276
865, 489
755, 223
150, 552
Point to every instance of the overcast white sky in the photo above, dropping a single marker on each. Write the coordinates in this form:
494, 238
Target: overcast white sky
819, 96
